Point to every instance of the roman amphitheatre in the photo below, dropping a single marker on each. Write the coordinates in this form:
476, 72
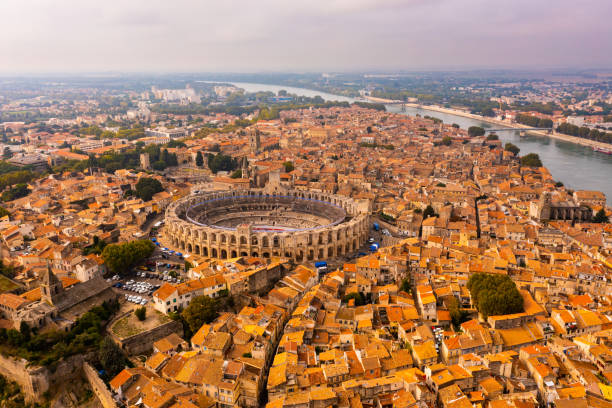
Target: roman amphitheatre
299, 225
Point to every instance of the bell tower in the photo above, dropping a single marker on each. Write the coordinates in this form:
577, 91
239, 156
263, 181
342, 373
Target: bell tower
51, 288
244, 167
254, 141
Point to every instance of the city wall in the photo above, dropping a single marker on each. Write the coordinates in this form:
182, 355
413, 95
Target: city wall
99, 388
36, 380
143, 342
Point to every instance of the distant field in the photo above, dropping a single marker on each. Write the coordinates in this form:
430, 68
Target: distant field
6, 285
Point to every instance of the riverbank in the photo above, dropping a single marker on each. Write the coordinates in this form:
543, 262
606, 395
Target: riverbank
553, 135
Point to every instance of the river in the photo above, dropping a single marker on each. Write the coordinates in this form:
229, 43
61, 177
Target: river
577, 166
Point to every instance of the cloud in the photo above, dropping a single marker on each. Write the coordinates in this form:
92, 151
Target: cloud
300, 35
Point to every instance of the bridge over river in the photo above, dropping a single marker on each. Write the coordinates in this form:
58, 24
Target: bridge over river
516, 128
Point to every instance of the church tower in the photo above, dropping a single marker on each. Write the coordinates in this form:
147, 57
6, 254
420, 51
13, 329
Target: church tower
254, 142
51, 288
244, 167
545, 206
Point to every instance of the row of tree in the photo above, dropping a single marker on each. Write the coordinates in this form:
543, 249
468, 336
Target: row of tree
585, 132
544, 108
534, 121
16, 177
376, 145
15, 192
133, 133
160, 158
221, 162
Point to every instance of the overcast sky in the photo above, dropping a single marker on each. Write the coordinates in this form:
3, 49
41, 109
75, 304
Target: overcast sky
302, 35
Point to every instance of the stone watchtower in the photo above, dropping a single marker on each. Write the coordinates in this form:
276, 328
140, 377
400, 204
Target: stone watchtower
145, 161
544, 207
51, 288
254, 141
245, 169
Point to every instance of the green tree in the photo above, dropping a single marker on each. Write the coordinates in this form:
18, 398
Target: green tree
288, 166
96, 248
20, 190
476, 131
119, 258
446, 140
488, 112
405, 286
7, 270
512, 148
457, 314
429, 212
601, 217
201, 310
359, 298
141, 313
534, 121
494, 294
147, 187
492, 136
7, 153
221, 162
175, 143
111, 358
25, 331
531, 160
199, 161
4, 212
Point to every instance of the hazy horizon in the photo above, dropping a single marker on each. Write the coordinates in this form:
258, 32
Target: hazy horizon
270, 36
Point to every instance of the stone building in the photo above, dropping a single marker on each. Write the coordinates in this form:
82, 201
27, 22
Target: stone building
546, 209
57, 305
254, 141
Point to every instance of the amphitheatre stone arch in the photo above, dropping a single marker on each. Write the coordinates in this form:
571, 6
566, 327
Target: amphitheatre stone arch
300, 225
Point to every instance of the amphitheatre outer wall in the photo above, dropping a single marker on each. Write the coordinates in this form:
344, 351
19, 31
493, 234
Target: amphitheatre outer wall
316, 242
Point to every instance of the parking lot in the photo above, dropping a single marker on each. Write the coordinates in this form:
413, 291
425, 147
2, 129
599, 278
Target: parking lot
139, 285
